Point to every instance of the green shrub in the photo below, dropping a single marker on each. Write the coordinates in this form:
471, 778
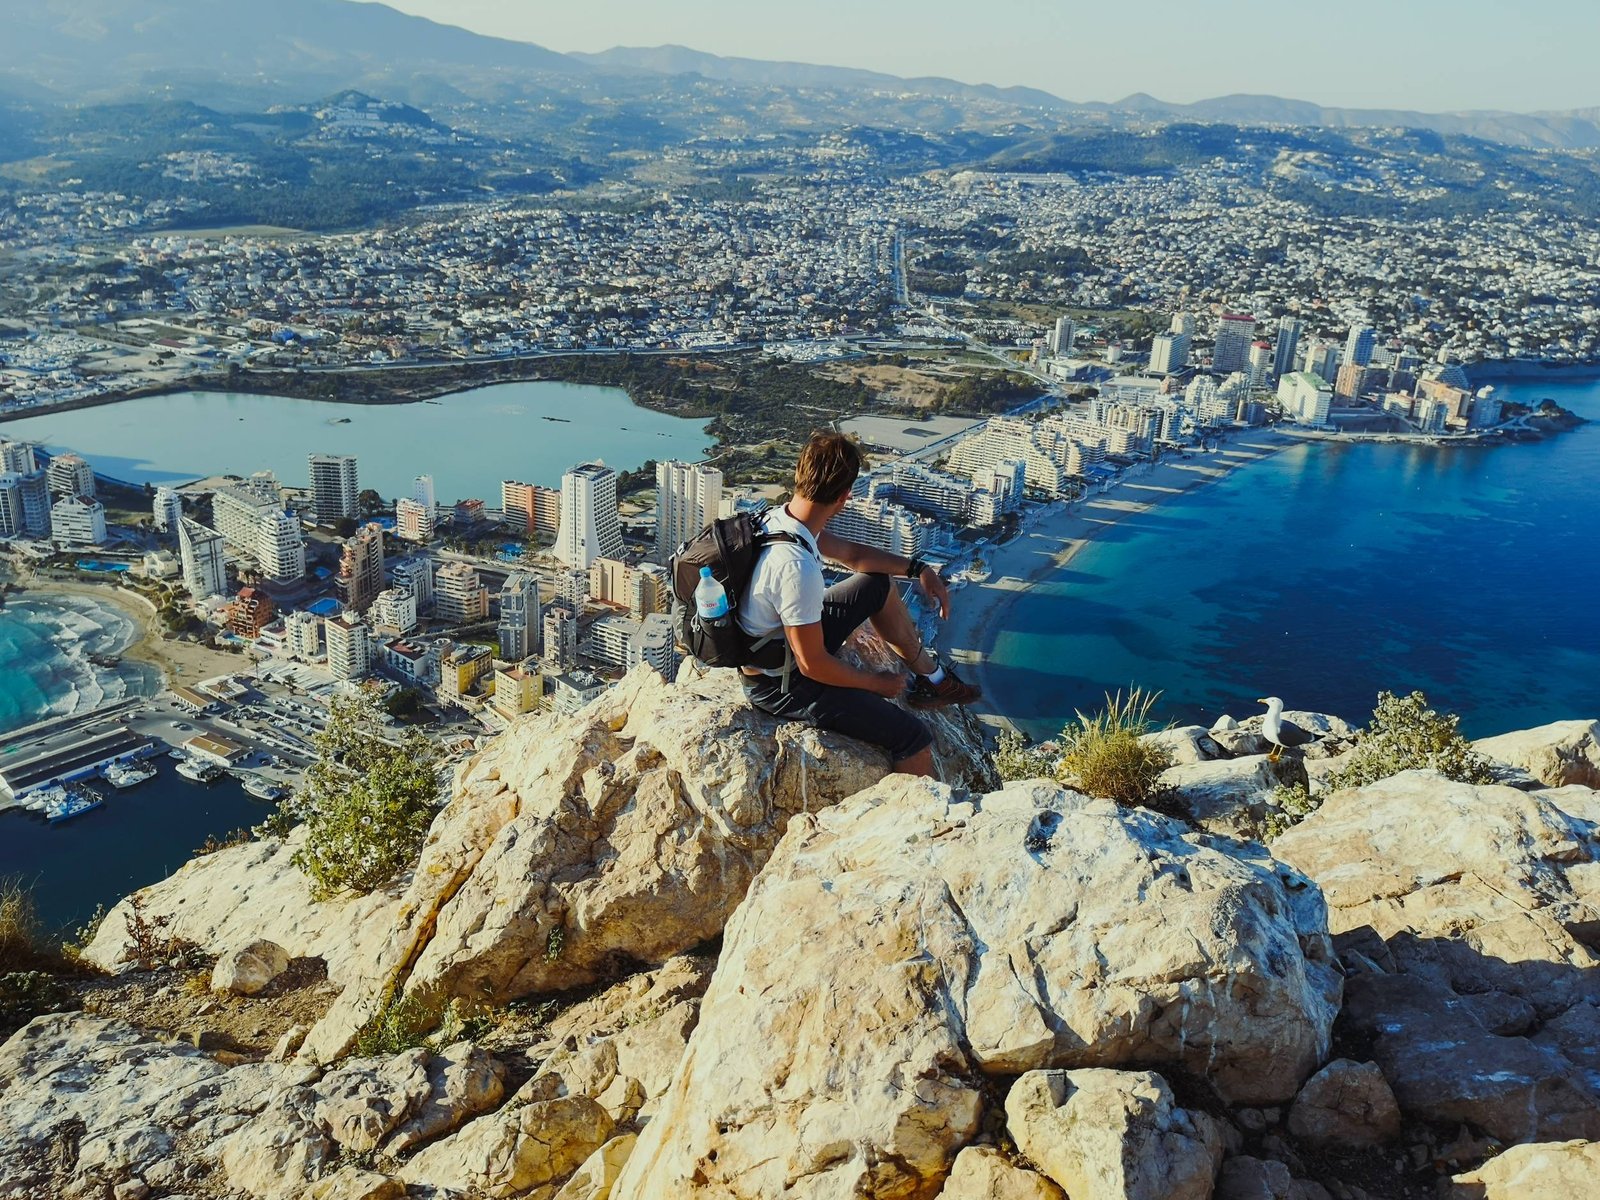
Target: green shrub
366, 802
403, 1023
1291, 804
1407, 735
1102, 755
25, 995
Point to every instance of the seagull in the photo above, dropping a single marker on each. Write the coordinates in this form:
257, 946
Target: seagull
1282, 734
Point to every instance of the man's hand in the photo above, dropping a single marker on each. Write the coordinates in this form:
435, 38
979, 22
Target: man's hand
891, 685
934, 585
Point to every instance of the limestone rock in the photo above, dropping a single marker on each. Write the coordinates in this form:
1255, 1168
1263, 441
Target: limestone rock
909, 937
1469, 914
1185, 744
983, 1173
360, 1104
525, 1153
1114, 1133
1246, 1178
1557, 755
352, 1183
577, 847
599, 1172
250, 968
1345, 1104
462, 1081
285, 1047
1235, 739
1542, 1171
1231, 796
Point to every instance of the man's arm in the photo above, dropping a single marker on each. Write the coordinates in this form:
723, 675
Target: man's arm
880, 562
814, 662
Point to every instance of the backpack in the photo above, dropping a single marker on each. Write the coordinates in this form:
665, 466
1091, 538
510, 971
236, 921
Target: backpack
730, 546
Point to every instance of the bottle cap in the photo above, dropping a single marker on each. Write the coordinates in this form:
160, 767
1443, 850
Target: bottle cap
705, 572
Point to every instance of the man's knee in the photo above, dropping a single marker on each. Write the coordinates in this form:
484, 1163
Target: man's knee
880, 588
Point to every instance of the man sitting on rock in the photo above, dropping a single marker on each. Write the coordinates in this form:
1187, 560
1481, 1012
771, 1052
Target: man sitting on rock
787, 592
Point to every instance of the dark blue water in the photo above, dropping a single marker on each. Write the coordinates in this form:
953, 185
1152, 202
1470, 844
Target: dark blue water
135, 838
1327, 573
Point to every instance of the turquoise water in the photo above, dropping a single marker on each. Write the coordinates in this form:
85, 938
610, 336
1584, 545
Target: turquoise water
44, 658
468, 442
1327, 573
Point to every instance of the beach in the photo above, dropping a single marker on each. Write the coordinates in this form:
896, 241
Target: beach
1049, 541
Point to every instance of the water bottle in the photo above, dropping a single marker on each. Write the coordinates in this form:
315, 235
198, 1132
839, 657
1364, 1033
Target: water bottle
710, 600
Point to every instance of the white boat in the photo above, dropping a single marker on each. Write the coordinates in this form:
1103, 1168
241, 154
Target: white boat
200, 772
42, 799
128, 774
263, 788
75, 800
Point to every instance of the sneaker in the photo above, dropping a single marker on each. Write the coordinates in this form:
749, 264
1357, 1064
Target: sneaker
952, 690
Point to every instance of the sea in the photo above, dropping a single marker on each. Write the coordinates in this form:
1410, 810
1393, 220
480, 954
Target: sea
469, 441
1328, 573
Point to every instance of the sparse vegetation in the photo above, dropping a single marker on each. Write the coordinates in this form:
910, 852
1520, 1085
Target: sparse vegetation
1407, 735
152, 945
555, 944
1291, 804
1101, 755
403, 1023
25, 995
21, 946
366, 802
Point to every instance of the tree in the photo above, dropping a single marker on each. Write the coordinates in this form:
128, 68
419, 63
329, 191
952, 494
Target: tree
366, 802
370, 502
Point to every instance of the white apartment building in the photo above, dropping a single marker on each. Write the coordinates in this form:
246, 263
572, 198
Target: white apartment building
589, 525
349, 647
610, 639
18, 457
1235, 333
518, 630
335, 487
416, 574
459, 597
1305, 397
413, 520
200, 549
70, 475
251, 519
560, 638
422, 492
884, 526
393, 612
303, 634
1169, 353
78, 521
167, 509
654, 643
1011, 439
281, 547
1285, 345
11, 511
1062, 337
688, 498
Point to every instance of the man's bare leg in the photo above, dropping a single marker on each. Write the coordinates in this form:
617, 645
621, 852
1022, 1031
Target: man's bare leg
920, 763
895, 626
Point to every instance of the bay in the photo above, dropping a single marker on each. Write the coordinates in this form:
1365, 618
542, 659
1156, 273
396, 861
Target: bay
1327, 573
468, 441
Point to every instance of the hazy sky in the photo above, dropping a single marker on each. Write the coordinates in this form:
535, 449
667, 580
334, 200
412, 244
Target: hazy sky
1424, 54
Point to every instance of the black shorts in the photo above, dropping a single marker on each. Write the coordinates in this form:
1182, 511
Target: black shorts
850, 711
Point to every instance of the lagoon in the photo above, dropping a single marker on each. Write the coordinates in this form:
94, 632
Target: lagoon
468, 441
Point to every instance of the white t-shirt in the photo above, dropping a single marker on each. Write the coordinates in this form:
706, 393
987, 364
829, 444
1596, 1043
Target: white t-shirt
787, 585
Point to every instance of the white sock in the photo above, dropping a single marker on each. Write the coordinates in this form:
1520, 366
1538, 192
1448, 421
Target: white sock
937, 677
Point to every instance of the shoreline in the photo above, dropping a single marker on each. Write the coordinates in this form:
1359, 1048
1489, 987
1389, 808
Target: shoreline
1050, 542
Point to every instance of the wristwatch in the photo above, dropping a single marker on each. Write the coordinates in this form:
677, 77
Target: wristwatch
915, 567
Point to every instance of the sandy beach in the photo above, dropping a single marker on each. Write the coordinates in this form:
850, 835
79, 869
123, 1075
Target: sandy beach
178, 662
1049, 541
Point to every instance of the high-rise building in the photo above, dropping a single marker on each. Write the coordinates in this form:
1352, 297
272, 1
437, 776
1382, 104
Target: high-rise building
422, 492
250, 612
572, 589
1358, 346
1169, 353
649, 590
1235, 332
78, 521
393, 612
1322, 360
518, 690
167, 509
884, 526
205, 570
1062, 337
335, 489
11, 514
18, 457
1009, 439
653, 643
361, 568
609, 639
459, 597
531, 510
1260, 368
281, 548
1283, 348
35, 490
589, 525
560, 638
1350, 382
69, 475
413, 520
416, 575
688, 496
1305, 397
303, 631
518, 630
349, 647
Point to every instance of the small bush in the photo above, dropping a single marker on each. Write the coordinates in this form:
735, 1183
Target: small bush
403, 1023
1407, 735
1291, 804
25, 995
1015, 757
21, 946
1104, 756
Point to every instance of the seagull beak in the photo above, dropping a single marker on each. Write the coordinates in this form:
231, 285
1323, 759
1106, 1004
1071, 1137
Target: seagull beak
1260, 700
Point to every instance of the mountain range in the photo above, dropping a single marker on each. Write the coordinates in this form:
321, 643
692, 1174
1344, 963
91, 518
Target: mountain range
229, 52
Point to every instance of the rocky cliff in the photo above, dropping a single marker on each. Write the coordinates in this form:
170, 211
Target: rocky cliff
674, 949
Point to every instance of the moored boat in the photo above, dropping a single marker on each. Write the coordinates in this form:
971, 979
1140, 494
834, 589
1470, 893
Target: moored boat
199, 771
128, 774
73, 801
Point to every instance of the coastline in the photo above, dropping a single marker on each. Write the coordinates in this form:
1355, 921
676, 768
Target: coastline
1051, 541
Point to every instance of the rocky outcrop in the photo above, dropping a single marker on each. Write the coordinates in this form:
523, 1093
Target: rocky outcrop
1469, 917
1231, 796
900, 945
1556, 755
1546, 1171
1114, 1133
983, 1173
525, 1152
1185, 744
1345, 1104
250, 968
